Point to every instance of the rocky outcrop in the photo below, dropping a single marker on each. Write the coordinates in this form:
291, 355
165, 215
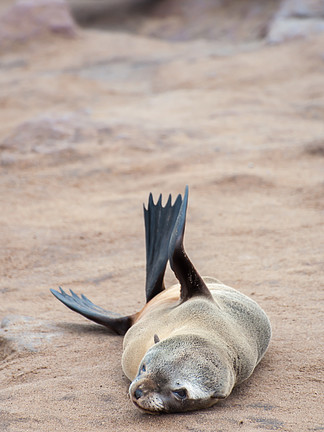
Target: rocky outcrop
32, 19
19, 334
297, 18
50, 133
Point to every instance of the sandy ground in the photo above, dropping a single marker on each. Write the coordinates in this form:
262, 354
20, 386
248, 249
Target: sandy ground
89, 126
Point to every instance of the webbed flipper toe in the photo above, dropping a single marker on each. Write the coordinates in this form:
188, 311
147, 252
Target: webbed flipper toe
82, 305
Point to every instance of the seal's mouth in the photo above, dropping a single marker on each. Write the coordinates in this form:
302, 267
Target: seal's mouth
146, 411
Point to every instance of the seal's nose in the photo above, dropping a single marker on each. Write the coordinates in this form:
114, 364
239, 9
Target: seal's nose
138, 393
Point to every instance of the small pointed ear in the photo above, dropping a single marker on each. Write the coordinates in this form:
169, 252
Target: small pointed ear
156, 339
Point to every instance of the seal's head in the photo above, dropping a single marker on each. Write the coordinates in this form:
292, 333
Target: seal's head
181, 373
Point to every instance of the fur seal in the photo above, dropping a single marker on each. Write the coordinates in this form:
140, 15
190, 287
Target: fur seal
190, 344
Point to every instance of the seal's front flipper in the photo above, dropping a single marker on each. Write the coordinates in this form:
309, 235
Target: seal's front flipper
118, 323
159, 224
191, 282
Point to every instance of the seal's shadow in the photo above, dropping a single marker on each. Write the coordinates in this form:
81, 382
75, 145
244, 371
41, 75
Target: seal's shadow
86, 329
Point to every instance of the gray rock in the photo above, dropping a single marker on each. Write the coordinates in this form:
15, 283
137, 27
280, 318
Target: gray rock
301, 9
24, 334
296, 18
50, 133
30, 19
291, 28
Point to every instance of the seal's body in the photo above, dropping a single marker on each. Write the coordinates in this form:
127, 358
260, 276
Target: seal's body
190, 344
224, 319
206, 347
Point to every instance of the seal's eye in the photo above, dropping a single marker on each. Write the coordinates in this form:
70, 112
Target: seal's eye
180, 394
143, 368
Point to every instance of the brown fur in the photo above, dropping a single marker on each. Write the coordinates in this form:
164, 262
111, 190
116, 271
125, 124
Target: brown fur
205, 346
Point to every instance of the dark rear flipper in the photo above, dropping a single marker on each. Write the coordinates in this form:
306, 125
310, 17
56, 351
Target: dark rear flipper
116, 322
159, 225
164, 231
191, 282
